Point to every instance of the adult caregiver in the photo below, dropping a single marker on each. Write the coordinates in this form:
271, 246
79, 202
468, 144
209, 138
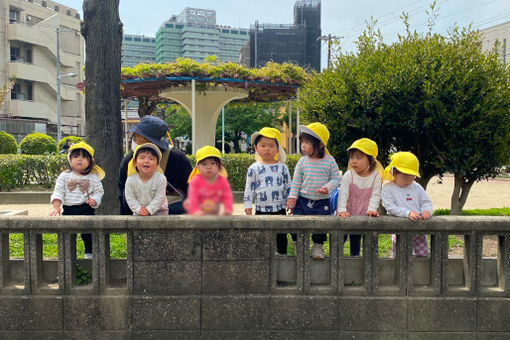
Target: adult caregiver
174, 163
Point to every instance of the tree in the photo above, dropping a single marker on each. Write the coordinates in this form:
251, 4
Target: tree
102, 30
4, 90
439, 97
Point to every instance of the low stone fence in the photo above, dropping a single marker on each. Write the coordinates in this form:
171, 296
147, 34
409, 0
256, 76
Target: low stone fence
220, 278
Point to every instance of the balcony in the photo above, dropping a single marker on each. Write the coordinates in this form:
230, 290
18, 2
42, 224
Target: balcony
27, 108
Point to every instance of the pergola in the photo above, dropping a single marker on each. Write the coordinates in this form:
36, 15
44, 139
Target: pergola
204, 97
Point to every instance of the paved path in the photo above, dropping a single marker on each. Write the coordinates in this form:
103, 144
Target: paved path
487, 194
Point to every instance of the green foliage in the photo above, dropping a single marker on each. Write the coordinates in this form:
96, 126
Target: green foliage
83, 277
38, 144
17, 171
8, 143
505, 211
73, 139
178, 120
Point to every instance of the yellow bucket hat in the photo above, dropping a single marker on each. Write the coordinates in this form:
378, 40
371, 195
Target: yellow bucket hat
203, 153
131, 166
405, 162
271, 133
82, 145
318, 130
368, 147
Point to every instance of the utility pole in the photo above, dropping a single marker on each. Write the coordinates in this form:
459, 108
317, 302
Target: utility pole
329, 38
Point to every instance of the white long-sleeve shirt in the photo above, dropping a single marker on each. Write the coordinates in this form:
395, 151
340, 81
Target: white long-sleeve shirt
150, 194
400, 201
73, 189
374, 181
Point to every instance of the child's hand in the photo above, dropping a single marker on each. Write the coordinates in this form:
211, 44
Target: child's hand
143, 211
425, 214
323, 190
372, 213
227, 213
291, 203
198, 213
92, 202
55, 211
248, 211
414, 216
344, 214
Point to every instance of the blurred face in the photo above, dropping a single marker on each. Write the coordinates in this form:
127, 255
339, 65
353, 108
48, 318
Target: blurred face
403, 180
208, 168
359, 162
146, 163
307, 148
79, 162
267, 149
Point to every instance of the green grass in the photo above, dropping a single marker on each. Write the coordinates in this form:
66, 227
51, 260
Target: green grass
505, 211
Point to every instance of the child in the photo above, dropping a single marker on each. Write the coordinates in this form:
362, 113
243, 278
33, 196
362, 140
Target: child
404, 197
268, 179
79, 188
208, 187
145, 189
360, 192
316, 174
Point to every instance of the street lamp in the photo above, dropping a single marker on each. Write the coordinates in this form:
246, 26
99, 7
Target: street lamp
59, 77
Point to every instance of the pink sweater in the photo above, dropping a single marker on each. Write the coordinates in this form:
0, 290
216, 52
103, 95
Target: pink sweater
207, 197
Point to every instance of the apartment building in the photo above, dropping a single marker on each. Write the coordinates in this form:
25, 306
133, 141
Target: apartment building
28, 50
499, 33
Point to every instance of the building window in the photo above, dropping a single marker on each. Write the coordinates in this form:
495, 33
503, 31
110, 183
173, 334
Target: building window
16, 92
57, 9
29, 55
30, 91
14, 54
43, 3
68, 12
13, 15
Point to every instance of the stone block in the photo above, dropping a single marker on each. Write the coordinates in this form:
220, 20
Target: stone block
303, 335
35, 335
166, 335
236, 245
97, 313
102, 335
442, 336
30, 313
372, 336
172, 278
234, 335
240, 277
493, 336
166, 245
372, 314
442, 314
304, 313
235, 313
166, 313
493, 315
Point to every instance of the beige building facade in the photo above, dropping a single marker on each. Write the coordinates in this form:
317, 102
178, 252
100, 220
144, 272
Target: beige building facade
28, 50
499, 33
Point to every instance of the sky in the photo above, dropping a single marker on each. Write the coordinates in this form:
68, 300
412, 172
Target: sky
343, 19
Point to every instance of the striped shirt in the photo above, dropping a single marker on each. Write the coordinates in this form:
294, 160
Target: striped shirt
311, 174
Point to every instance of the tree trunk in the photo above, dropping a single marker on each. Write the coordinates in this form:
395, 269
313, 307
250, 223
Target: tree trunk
102, 30
145, 106
424, 180
460, 193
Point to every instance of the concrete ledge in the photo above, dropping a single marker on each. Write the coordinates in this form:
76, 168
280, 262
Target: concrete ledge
25, 197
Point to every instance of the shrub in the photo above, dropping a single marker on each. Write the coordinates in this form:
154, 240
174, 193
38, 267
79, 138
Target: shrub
38, 144
237, 167
73, 139
18, 171
7, 143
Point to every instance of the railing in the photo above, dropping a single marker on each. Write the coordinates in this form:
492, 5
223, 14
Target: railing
228, 265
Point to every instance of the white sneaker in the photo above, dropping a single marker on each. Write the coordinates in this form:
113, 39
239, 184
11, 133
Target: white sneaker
88, 256
317, 251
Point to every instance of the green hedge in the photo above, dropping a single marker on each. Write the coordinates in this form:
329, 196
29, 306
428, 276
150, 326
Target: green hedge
8, 143
38, 144
18, 171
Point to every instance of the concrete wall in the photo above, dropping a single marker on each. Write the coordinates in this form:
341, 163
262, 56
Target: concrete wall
218, 278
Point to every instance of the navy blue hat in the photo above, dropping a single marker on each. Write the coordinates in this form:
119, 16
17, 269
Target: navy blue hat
152, 128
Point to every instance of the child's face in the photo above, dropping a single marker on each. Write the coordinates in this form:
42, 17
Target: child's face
359, 162
267, 149
146, 163
403, 180
208, 168
79, 162
307, 148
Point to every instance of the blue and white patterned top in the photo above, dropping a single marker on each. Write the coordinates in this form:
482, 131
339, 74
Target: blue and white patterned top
269, 185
